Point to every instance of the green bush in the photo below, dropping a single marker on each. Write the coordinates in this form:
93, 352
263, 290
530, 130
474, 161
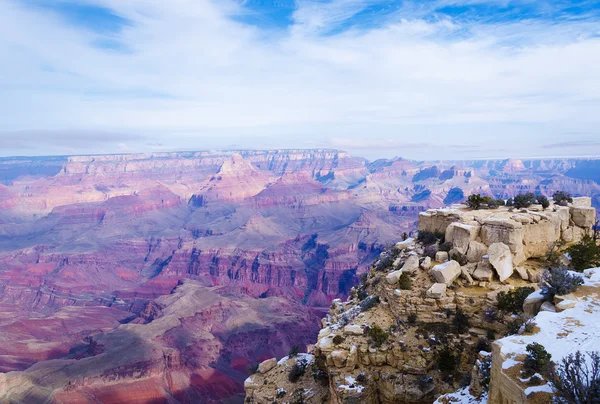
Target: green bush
369, 302
378, 335
512, 301
460, 321
297, 371
542, 200
562, 198
524, 200
446, 361
294, 351
338, 339
412, 318
537, 360
558, 281
427, 237
405, 283
475, 201
584, 254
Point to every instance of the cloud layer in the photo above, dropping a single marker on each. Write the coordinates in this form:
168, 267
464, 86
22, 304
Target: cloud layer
369, 74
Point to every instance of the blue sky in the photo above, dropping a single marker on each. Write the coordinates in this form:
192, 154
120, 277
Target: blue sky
379, 78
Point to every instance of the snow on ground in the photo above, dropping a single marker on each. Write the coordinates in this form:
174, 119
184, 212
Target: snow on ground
462, 396
574, 329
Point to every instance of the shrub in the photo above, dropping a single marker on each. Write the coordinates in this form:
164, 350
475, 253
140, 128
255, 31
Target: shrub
562, 198
252, 369
338, 339
510, 202
483, 345
361, 294
405, 283
512, 301
294, 351
584, 254
384, 263
281, 393
543, 200
319, 371
369, 302
490, 335
490, 315
427, 237
495, 203
537, 360
514, 326
446, 246
558, 281
297, 371
524, 200
361, 378
475, 201
577, 380
430, 251
446, 360
460, 321
378, 335
529, 326
412, 318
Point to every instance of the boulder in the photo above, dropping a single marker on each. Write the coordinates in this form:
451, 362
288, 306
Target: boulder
464, 273
353, 329
462, 235
447, 272
437, 291
393, 277
484, 271
397, 292
548, 306
533, 303
397, 262
352, 359
267, 365
441, 256
411, 265
506, 231
583, 216
501, 259
523, 273
582, 201
401, 245
339, 357
476, 251
426, 263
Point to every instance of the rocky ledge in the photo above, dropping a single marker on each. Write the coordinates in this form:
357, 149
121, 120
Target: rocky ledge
421, 325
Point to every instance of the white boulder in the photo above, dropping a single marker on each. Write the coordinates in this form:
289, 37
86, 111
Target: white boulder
447, 272
393, 277
501, 259
437, 291
441, 256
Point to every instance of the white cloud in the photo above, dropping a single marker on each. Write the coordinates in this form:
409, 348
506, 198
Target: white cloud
198, 77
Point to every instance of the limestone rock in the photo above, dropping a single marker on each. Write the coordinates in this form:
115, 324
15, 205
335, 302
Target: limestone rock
582, 201
411, 265
401, 245
446, 272
393, 277
548, 306
476, 251
522, 273
484, 271
533, 303
466, 275
339, 357
267, 365
441, 256
353, 329
437, 291
501, 259
426, 264
397, 292
462, 235
583, 216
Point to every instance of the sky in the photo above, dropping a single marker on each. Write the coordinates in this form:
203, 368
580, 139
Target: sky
428, 79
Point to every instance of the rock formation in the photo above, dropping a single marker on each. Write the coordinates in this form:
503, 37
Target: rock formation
393, 343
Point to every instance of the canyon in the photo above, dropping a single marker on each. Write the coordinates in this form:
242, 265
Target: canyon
162, 277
